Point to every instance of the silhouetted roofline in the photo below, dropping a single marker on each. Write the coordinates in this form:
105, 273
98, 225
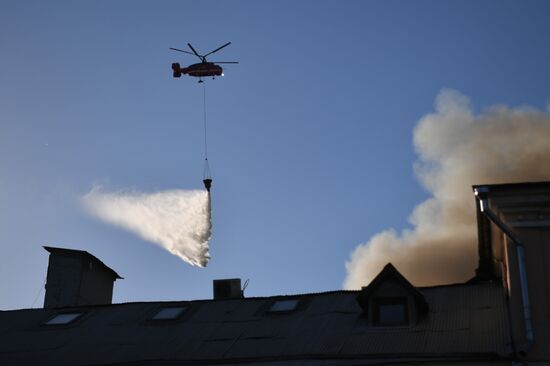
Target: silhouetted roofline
259, 298
85, 254
239, 331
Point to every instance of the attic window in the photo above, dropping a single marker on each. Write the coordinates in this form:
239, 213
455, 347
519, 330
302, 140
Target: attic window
392, 311
281, 306
64, 318
169, 313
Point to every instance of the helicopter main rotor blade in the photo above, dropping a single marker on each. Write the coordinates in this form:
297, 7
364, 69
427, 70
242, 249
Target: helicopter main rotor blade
177, 49
195, 52
217, 49
225, 62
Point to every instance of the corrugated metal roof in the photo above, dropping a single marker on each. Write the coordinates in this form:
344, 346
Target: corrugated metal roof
464, 321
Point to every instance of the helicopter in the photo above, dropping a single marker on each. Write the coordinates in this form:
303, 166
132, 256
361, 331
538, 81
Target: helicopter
203, 68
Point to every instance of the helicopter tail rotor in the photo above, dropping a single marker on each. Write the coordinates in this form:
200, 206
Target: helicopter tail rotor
176, 70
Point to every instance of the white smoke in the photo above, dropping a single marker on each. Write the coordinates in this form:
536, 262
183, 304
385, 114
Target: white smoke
456, 149
177, 220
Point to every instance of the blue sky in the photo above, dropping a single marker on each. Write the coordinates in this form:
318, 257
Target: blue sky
310, 136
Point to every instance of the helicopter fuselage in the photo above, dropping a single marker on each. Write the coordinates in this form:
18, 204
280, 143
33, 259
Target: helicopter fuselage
204, 69
199, 70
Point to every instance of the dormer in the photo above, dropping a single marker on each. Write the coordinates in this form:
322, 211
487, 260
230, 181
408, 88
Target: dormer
392, 301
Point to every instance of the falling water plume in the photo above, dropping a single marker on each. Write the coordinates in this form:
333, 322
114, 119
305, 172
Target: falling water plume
177, 220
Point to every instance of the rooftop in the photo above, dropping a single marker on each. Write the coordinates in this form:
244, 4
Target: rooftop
465, 321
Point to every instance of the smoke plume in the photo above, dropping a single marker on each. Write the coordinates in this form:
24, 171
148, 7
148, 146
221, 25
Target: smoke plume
177, 220
456, 149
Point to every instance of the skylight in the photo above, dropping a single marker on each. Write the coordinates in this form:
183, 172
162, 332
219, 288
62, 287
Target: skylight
283, 305
65, 318
169, 313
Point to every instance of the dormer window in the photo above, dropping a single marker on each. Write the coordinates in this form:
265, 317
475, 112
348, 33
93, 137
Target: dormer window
391, 311
392, 301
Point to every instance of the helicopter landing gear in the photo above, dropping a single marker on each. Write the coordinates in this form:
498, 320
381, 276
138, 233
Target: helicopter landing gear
200, 81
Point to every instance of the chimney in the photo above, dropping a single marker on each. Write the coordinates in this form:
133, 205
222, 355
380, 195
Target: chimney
227, 289
75, 277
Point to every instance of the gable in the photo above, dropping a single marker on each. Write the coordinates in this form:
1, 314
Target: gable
390, 299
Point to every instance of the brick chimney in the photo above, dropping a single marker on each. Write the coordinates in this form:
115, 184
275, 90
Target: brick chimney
75, 277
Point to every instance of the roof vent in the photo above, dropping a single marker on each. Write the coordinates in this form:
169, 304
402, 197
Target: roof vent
75, 277
227, 289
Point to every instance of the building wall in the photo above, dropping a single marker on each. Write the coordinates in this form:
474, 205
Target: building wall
63, 280
537, 254
97, 285
75, 279
525, 210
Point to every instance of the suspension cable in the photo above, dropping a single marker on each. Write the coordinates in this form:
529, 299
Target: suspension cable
39, 292
206, 172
